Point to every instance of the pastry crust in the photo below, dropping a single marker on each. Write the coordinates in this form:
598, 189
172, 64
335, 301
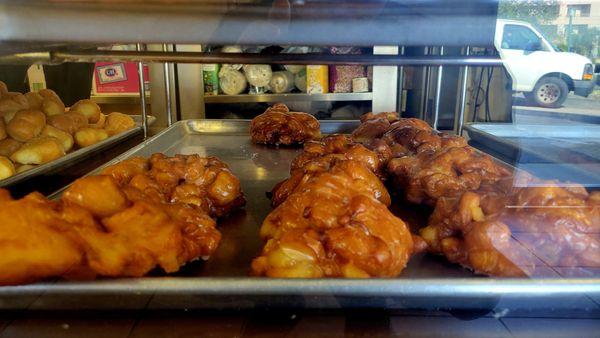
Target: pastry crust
117, 123
26, 125
39, 151
90, 109
277, 125
87, 136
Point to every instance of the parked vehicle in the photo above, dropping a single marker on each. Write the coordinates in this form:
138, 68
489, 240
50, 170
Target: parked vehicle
541, 71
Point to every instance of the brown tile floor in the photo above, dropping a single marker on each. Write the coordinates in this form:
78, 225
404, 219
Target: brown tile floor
69, 327
193, 326
284, 323
552, 327
447, 326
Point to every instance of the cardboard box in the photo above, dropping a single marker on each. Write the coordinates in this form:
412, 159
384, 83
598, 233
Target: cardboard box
119, 78
317, 79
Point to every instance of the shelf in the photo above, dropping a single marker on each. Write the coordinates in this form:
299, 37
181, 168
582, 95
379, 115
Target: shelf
288, 97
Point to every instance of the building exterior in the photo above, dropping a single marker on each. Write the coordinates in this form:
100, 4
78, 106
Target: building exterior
583, 36
585, 14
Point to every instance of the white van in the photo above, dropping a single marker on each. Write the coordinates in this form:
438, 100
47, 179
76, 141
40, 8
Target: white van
538, 69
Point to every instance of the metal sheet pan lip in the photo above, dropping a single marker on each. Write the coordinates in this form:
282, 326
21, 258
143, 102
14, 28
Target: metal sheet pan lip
71, 157
487, 138
253, 286
539, 131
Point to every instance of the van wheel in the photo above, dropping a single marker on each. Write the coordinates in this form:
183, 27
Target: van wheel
549, 92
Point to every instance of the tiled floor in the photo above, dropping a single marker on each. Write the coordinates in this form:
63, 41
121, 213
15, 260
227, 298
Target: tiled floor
68, 327
552, 327
286, 323
447, 326
188, 326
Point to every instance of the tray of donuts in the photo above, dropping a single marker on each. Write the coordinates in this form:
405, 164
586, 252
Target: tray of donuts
38, 134
288, 205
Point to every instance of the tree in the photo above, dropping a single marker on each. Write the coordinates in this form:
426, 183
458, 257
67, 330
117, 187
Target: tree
587, 41
538, 12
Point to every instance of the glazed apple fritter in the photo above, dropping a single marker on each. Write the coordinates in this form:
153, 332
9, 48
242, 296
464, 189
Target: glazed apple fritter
277, 125
334, 225
134, 217
516, 232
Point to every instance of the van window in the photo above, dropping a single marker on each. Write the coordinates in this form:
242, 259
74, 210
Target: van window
520, 37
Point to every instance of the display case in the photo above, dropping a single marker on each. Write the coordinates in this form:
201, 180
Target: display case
438, 61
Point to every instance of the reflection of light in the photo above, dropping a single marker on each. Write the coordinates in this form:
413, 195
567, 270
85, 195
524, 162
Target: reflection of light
216, 126
261, 173
188, 150
549, 206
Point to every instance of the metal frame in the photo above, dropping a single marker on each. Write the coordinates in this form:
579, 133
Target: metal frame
425, 86
288, 97
168, 103
140, 47
246, 58
438, 93
400, 85
459, 288
459, 116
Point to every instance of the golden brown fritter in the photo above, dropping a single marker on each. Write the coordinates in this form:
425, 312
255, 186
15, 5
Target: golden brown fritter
321, 156
448, 173
277, 125
468, 230
140, 234
559, 224
363, 177
373, 126
35, 241
334, 226
217, 189
388, 116
100, 195
340, 146
124, 171
205, 182
122, 223
511, 233
482, 219
134, 241
398, 137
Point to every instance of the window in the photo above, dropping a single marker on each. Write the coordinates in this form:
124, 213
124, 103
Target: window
520, 37
579, 10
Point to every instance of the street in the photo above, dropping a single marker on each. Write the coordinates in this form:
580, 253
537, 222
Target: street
576, 109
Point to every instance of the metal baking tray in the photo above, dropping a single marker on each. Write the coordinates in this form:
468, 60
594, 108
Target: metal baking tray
77, 155
565, 152
222, 281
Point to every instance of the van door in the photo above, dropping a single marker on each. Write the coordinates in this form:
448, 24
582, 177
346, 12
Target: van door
523, 53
